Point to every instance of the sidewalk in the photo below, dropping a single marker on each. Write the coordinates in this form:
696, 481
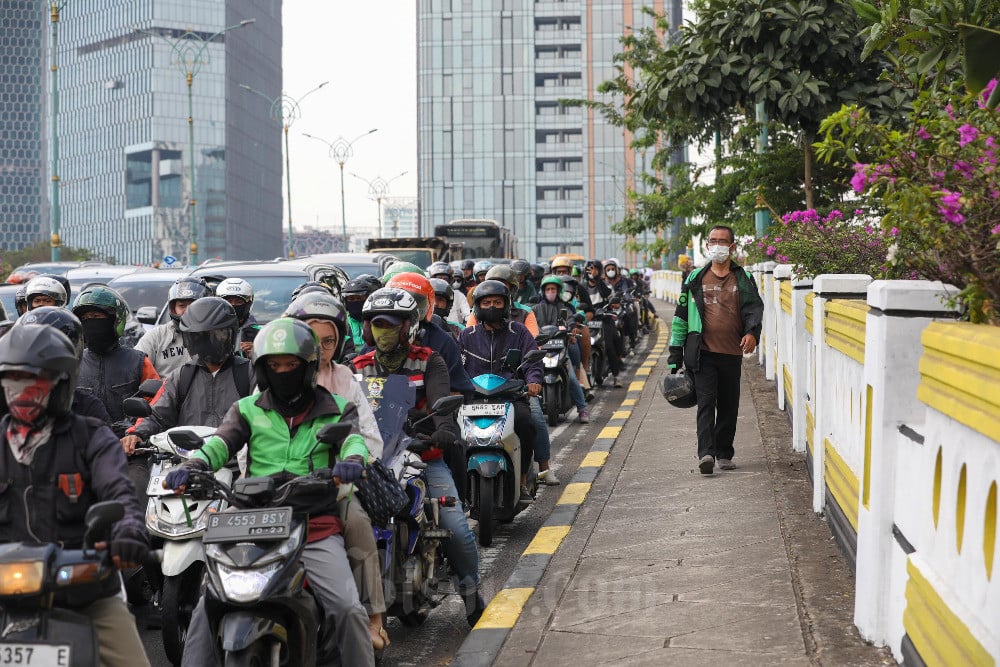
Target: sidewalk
665, 566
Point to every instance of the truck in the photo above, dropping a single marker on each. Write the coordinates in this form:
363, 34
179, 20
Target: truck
420, 250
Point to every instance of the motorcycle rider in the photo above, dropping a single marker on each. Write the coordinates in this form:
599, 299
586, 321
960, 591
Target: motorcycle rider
58, 464
239, 294
518, 312
163, 343
45, 291
525, 292
200, 392
279, 426
459, 310
326, 316
391, 327
623, 286
444, 302
468, 278
354, 293
21, 300
553, 311
484, 347
599, 293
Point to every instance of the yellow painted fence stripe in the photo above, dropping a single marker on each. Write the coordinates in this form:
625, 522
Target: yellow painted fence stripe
842, 481
844, 326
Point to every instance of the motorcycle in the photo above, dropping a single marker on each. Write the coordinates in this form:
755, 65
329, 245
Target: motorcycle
38, 583
599, 366
494, 454
256, 599
556, 400
409, 545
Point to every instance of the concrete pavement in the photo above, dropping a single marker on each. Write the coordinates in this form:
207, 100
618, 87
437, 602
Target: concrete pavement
663, 565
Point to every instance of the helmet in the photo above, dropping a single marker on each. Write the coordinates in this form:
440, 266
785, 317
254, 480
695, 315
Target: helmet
482, 266
311, 286
419, 288
633, 272
61, 319
317, 306
395, 304
45, 286
37, 349
490, 288
440, 269
521, 268
21, 300
444, 290
612, 261
537, 272
504, 274
401, 267
186, 289
237, 287
678, 389
364, 284
286, 336
561, 261
552, 280
467, 265
106, 300
208, 328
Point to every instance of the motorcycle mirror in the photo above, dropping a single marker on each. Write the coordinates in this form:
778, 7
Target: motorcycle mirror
136, 407
542, 339
99, 519
512, 359
186, 439
146, 314
149, 388
334, 434
447, 405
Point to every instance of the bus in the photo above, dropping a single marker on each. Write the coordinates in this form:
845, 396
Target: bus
480, 238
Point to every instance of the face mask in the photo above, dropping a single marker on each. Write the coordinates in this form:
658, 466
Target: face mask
443, 313
386, 338
27, 399
99, 334
551, 295
354, 308
718, 253
566, 296
289, 390
611, 273
491, 315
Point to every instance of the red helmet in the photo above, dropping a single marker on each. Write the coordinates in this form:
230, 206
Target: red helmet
419, 287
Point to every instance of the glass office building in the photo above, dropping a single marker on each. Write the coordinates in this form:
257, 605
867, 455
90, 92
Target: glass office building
23, 175
126, 157
495, 140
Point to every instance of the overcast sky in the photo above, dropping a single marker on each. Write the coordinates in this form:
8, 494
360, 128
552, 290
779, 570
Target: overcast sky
367, 51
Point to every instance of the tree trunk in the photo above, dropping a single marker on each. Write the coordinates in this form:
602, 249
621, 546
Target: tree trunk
807, 177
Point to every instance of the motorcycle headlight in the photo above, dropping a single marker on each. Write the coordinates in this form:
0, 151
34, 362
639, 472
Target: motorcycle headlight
163, 522
551, 361
245, 585
22, 578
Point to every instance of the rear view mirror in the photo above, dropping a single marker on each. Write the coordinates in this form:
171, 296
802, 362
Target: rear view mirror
136, 407
149, 388
447, 405
146, 314
185, 439
99, 519
511, 360
533, 357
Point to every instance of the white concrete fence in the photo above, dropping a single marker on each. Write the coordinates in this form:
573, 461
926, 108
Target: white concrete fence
897, 409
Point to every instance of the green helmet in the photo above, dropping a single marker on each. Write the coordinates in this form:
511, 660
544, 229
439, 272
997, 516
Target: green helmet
286, 336
104, 299
552, 279
401, 267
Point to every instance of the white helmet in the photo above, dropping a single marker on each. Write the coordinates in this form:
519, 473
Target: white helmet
237, 287
44, 285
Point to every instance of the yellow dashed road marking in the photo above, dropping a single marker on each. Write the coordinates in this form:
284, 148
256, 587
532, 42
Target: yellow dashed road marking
628, 402
547, 540
574, 493
621, 414
594, 459
503, 610
638, 385
610, 432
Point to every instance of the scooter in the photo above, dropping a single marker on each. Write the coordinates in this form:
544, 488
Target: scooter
556, 400
257, 602
41, 588
409, 545
494, 454
599, 367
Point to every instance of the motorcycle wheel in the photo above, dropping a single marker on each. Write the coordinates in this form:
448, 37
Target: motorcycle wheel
486, 510
597, 366
256, 655
550, 397
413, 619
180, 595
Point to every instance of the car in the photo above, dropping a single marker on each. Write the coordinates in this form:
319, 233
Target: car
273, 281
90, 274
25, 272
7, 293
145, 291
355, 264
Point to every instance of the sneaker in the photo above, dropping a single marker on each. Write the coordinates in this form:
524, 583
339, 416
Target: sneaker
526, 496
589, 396
583, 417
707, 464
726, 464
548, 478
478, 606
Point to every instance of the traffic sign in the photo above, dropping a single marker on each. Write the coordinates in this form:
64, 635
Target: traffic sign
169, 260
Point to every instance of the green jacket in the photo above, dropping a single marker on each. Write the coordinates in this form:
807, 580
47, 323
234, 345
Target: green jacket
357, 327
685, 328
271, 448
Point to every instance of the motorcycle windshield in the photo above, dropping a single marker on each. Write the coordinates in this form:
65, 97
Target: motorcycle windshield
488, 384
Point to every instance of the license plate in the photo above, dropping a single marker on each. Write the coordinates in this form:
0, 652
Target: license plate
554, 345
155, 486
30, 655
483, 410
273, 523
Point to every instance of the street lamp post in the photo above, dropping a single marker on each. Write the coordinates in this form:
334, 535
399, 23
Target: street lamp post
340, 150
189, 56
285, 109
378, 188
54, 12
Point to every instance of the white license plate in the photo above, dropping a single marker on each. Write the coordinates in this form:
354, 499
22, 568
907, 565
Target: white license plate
483, 410
155, 487
32, 655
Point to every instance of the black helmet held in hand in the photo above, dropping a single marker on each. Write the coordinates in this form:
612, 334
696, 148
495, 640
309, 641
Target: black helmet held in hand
209, 327
678, 389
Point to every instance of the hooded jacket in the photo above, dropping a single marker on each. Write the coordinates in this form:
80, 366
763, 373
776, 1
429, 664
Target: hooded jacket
483, 351
112, 377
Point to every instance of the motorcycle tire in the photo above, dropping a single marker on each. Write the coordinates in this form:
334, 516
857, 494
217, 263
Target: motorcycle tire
550, 399
256, 655
180, 596
487, 510
413, 619
597, 366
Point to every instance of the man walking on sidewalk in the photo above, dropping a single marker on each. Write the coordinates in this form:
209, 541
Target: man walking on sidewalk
718, 320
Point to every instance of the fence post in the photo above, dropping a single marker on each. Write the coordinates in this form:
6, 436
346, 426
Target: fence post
801, 377
767, 351
782, 313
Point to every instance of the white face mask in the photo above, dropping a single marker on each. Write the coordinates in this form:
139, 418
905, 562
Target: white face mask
611, 273
718, 253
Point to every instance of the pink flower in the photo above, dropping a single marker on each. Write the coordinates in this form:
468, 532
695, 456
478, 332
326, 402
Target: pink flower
771, 250
922, 133
987, 91
995, 230
950, 207
965, 169
950, 110
783, 259
860, 180
967, 134
858, 211
894, 231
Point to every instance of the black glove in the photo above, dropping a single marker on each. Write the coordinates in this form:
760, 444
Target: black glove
348, 471
443, 438
128, 551
181, 475
676, 357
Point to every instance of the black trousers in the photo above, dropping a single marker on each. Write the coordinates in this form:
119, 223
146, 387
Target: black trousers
525, 433
613, 347
717, 383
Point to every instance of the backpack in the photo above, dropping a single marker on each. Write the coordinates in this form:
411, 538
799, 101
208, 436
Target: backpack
240, 377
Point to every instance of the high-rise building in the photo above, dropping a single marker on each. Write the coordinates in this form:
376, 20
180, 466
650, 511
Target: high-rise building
495, 138
399, 217
126, 155
23, 176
